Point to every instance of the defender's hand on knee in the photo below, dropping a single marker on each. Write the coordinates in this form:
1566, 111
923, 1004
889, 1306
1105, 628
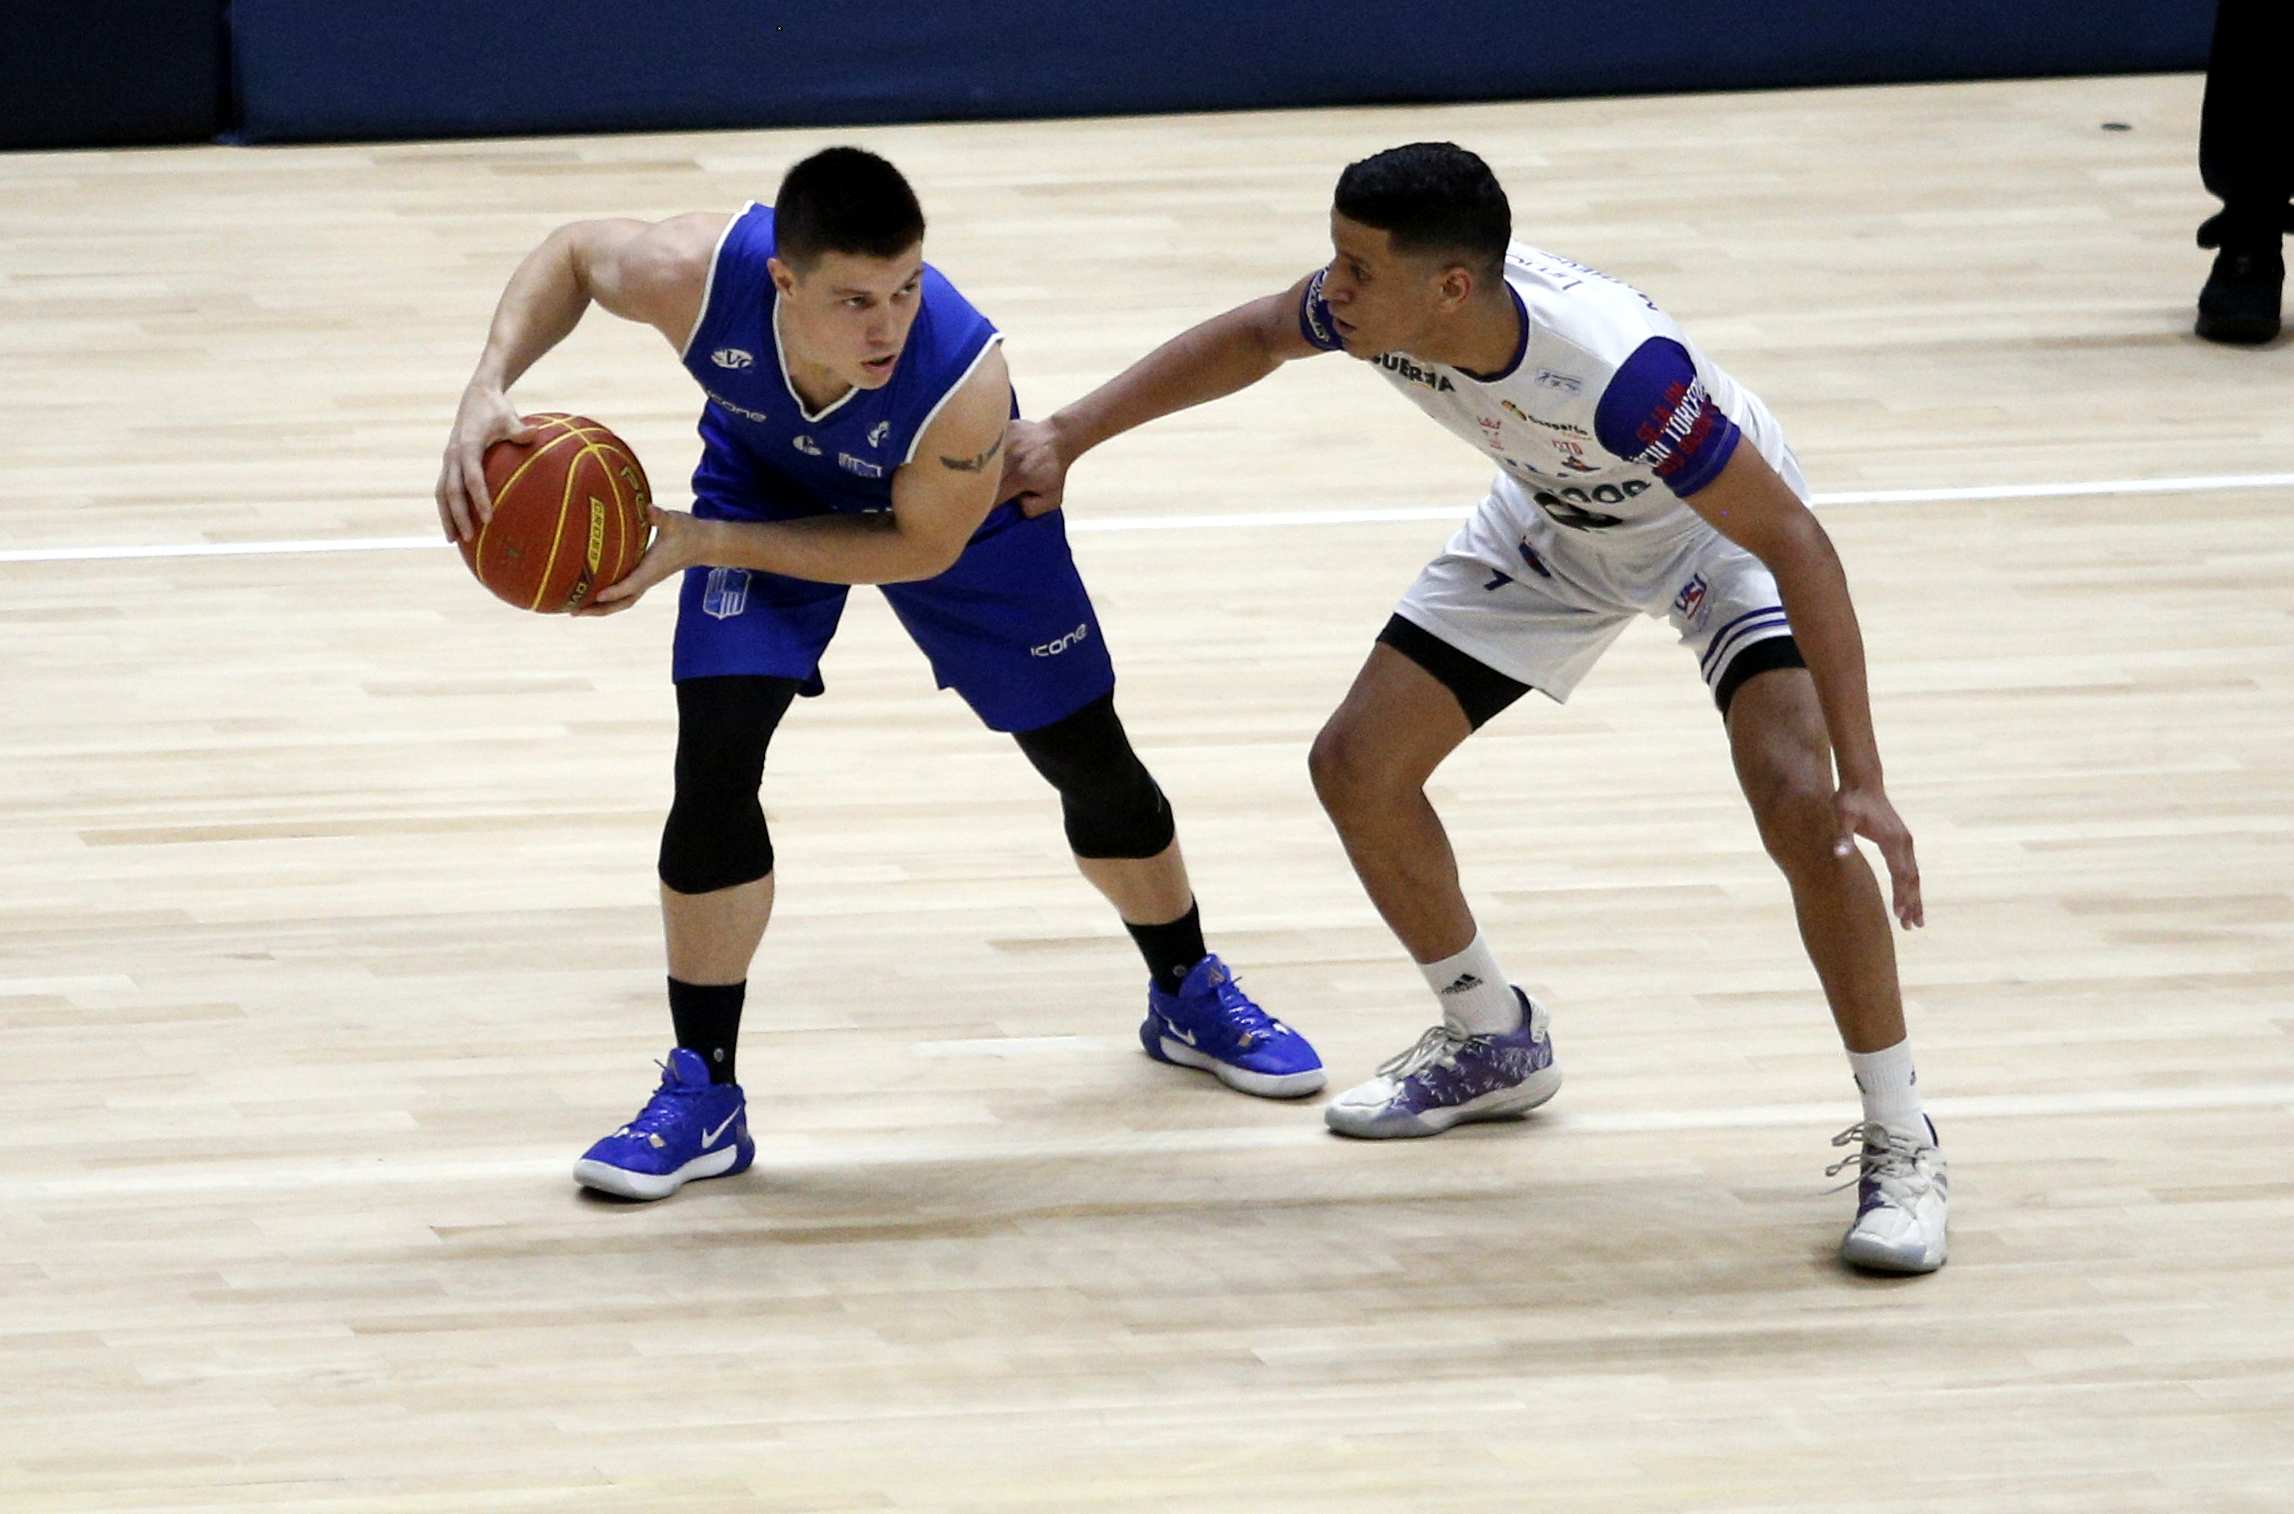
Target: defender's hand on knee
1868, 813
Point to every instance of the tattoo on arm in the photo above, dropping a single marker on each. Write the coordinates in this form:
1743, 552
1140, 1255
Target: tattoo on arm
972, 464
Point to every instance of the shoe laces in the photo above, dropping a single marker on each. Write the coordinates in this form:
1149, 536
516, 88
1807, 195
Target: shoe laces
1886, 1157
670, 1103
1251, 1023
1438, 1047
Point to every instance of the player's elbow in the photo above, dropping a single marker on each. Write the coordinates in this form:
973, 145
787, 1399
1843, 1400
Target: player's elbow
1791, 544
925, 555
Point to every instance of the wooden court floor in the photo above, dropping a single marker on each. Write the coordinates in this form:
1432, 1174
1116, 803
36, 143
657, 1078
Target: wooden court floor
327, 935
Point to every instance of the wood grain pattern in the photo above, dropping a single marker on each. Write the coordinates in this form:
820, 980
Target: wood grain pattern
314, 978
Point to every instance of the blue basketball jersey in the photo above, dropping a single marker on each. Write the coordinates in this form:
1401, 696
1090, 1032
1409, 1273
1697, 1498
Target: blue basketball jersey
760, 446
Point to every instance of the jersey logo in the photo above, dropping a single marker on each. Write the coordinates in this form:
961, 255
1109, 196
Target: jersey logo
1566, 382
859, 465
806, 445
727, 593
1680, 428
732, 357
1493, 433
758, 416
1059, 644
1514, 410
1691, 600
877, 432
1394, 362
1572, 455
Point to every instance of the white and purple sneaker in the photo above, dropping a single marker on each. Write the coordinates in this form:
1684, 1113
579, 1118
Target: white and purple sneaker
1451, 1077
1902, 1197
1212, 1025
690, 1128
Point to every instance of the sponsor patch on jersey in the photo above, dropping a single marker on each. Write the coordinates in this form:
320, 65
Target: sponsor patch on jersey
806, 445
723, 403
1689, 604
859, 465
876, 433
1572, 455
1059, 644
1395, 363
732, 357
1658, 413
1567, 383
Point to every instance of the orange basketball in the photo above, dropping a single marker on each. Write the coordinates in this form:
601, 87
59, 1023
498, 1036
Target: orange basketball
569, 515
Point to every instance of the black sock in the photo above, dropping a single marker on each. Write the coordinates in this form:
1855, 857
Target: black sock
708, 1021
1171, 950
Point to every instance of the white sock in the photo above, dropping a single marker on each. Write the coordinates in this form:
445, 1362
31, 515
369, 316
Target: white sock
1891, 1088
1473, 990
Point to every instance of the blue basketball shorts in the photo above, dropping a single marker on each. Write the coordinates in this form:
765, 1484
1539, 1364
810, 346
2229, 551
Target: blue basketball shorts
1008, 626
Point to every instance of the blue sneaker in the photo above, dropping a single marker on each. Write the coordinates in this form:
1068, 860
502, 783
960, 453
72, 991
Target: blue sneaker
1450, 1077
1213, 1025
689, 1129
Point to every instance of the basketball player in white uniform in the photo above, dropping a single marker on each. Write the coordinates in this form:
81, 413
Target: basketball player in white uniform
1634, 478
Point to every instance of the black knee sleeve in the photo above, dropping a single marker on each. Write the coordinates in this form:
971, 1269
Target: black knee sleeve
1109, 800
715, 836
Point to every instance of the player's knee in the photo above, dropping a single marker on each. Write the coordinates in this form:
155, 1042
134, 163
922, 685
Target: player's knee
1793, 809
1123, 822
714, 840
715, 836
1109, 802
1349, 769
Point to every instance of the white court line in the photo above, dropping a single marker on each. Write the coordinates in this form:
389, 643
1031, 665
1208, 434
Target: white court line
822, 1154
1234, 520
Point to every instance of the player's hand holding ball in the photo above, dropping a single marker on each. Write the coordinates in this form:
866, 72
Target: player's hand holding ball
676, 547
549, 511
484, 417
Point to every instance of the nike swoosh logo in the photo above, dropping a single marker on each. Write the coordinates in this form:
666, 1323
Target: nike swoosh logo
1187, 1036
709, 1138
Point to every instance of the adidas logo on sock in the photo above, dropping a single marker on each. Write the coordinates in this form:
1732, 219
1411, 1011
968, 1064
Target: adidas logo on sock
1466, 983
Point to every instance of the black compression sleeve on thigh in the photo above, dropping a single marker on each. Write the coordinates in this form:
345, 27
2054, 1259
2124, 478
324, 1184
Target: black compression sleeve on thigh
715, 836
1111, 804
1763, 656
1481, 690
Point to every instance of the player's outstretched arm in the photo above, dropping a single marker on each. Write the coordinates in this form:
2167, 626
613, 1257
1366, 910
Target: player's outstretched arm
1205, 362
939, 498
1749, 504
652, 272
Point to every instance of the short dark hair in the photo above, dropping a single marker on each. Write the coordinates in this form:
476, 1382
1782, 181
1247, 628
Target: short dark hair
844, 199
1431, 197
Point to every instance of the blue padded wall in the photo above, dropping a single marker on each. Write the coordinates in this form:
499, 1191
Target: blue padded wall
88, 73
325, 69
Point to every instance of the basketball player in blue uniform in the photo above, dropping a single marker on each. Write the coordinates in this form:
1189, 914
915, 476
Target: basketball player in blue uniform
852, 433
1634, 478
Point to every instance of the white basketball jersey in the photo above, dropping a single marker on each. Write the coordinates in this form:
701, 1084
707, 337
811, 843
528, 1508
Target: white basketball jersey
1607, 418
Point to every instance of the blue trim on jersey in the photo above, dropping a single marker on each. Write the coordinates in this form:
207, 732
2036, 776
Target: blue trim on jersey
1736, 630
1657, 412
1520, 346
1314, 320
